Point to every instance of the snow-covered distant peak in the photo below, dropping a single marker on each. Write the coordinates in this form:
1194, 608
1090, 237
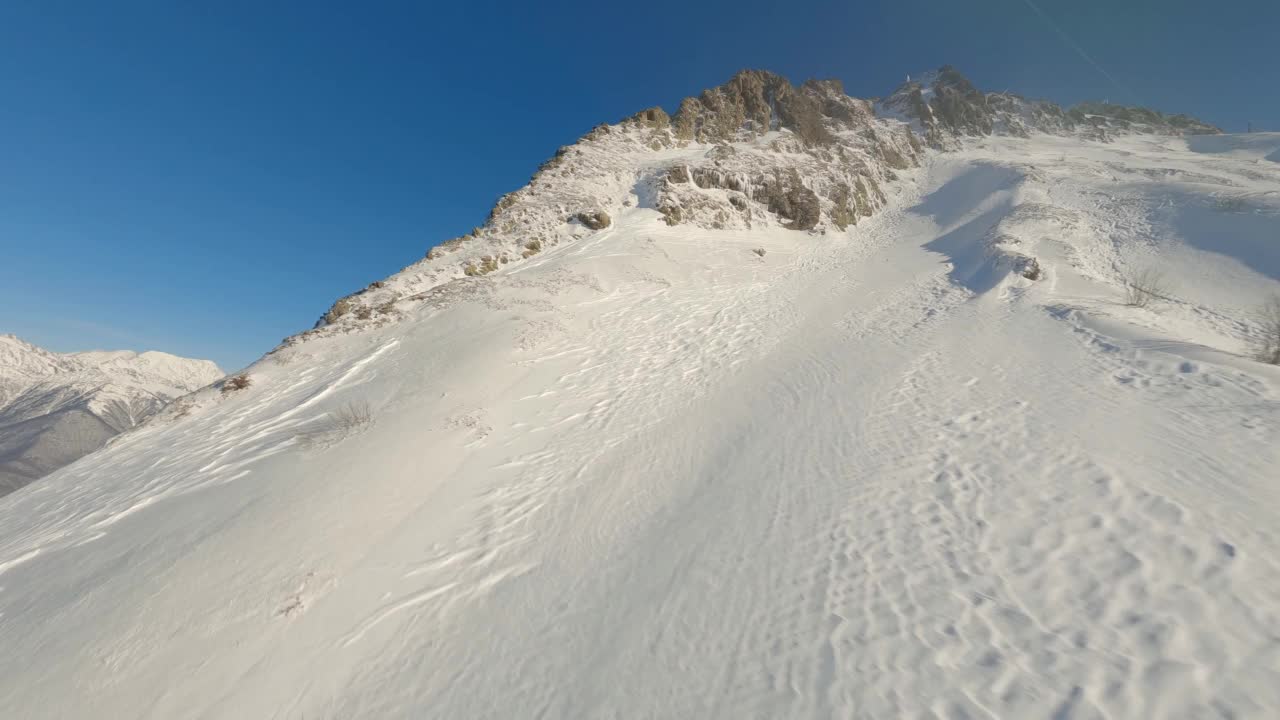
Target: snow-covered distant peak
125, 365
19, 358
55, 407
23, 364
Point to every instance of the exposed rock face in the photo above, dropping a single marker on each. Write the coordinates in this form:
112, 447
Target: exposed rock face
597, 220
652, 125
654, 117
802, 187
959, 105
822, 166
790, 200
945, 107
1123, 118
755, 102
756, 151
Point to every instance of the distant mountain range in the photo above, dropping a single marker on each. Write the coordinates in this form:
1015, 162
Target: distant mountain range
56, 408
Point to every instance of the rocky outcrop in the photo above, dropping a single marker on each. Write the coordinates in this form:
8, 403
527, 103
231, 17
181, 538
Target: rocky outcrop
786, 181
755, 102
945, 107
596, 220
654, 117
958, 105
791, 201
1123, 119
652, 125
823, 168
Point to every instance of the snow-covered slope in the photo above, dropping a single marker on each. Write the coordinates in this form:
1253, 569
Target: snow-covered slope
674, 470
56, 408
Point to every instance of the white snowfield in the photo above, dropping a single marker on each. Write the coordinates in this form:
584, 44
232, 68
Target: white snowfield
652, 474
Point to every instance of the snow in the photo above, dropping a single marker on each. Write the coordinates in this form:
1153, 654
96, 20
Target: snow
1249, 146
55, 408
651, 474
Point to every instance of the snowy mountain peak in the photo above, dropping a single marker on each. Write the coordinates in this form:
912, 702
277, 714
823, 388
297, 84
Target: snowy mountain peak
22, 363
55, 407
15, 352
754, 152
151, 365
757, 151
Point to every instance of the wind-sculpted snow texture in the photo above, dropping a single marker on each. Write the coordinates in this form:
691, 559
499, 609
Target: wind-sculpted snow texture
668, 470
57, 408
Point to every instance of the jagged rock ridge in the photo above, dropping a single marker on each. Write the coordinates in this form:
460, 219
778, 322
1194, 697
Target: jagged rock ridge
944, 107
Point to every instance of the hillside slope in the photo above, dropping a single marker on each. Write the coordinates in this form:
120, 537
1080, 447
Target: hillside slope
674, 470
56, 408
754, 153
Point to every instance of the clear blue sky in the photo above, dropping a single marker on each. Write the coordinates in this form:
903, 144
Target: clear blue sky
207, 181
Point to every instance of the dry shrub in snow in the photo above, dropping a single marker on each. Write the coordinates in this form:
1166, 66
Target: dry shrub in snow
236, 382
337, 425
353, 416
1143, 286
1231, 204
1266, 347
1028, 267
